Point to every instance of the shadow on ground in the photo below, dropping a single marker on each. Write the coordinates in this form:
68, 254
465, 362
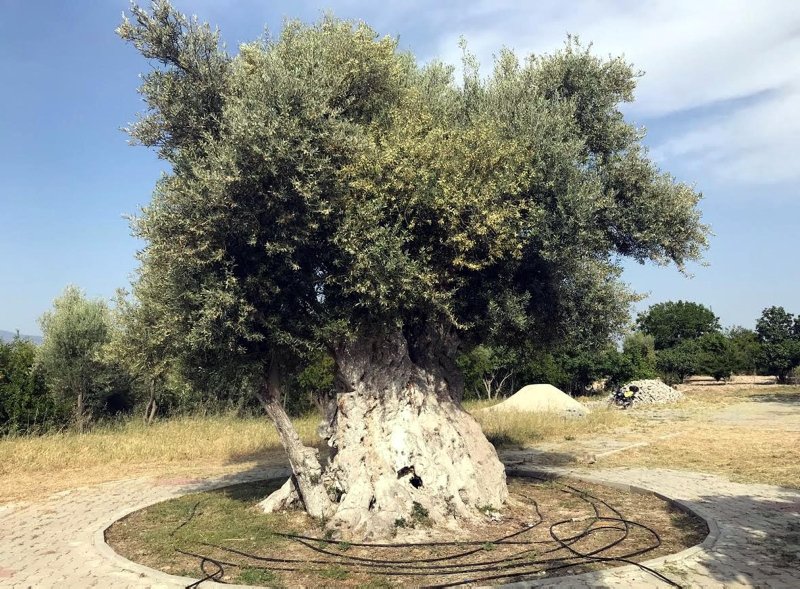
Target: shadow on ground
791, 397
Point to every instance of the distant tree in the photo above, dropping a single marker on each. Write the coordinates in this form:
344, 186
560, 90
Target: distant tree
746, 349
716, 356
780, 344
636, 360
25, 404
671, 323
74, 333
313, 384
488, 371
640, 349
538, 366
679, 362
140, 348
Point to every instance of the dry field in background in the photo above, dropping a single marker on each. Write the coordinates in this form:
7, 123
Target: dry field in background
747, 446
681, 436
33, 466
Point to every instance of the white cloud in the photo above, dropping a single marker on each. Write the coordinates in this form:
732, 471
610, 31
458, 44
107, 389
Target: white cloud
733, 65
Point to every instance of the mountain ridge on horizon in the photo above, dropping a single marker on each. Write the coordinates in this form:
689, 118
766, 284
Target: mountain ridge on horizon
7, 336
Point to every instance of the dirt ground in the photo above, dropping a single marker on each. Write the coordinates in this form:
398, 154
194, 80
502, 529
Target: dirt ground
747, 430
550, 527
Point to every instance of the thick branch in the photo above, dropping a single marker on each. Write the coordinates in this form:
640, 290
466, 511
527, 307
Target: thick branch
304, 461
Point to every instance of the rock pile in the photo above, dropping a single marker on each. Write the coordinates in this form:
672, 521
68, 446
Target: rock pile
650, 392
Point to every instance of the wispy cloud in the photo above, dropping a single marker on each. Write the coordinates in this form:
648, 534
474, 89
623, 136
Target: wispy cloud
728, 70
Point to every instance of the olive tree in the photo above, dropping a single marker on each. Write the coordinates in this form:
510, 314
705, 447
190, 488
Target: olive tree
74, 333
327, 192
139, 344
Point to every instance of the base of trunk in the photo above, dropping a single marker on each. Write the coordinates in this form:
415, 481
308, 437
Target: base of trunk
284, 498
404, 455
408, 460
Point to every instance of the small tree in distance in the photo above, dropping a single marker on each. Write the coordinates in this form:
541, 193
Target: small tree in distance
74, 333
780, 342
328, 192
140, 347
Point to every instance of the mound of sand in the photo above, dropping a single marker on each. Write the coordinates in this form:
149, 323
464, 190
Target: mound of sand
541, 398
651, 392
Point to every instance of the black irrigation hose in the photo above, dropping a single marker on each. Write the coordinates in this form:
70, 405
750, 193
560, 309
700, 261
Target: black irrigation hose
188, 519
215, 576
503, 539
515, 565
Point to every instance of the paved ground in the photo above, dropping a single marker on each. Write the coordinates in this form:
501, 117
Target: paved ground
51, 544
755, 540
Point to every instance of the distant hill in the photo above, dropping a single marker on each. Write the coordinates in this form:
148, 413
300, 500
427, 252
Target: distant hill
7, 336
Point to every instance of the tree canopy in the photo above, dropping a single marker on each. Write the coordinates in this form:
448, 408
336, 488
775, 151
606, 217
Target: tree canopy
672, 323
323, 184
74, 333
779, 336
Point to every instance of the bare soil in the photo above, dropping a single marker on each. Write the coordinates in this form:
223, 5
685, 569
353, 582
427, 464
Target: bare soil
549, 528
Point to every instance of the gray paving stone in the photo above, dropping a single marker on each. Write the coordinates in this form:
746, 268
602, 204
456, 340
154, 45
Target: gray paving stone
51, 543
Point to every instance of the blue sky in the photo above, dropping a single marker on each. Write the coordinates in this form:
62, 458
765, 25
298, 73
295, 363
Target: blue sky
720, 99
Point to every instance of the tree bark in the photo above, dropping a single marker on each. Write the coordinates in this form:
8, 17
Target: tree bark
151, 407
307, 480
402, 448
79, 410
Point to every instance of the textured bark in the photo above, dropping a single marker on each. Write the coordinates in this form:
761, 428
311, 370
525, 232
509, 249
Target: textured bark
151, 407
308, 481
401, 445
283, 498
80, 411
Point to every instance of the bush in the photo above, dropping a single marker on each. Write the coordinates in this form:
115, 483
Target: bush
25, 404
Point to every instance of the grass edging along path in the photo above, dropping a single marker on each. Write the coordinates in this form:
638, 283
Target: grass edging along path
99, 536
554, 491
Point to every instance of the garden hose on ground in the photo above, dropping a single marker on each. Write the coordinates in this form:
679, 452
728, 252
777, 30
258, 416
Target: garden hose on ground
525, 562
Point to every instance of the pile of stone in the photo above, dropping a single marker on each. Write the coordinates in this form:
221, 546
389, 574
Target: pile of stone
646, 392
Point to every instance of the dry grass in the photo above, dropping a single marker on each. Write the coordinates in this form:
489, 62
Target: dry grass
520, 429
746, 455
726, 394
34, 465
739, 448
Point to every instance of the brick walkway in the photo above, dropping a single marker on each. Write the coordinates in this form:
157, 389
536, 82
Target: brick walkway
57, 543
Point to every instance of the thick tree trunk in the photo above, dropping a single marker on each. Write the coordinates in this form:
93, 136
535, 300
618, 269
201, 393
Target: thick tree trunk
403, 449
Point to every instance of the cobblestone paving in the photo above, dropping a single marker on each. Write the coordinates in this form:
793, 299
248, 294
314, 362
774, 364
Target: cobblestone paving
758, 541
52, 543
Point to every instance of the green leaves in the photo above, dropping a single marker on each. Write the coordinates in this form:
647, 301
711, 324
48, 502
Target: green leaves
671, 323
324, 183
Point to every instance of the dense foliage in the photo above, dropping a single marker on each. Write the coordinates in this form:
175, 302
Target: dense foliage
25, 405
672, 323
325, 186
74, 333
779, 335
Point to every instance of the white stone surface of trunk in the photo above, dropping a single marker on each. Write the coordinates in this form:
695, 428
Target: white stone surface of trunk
404, 453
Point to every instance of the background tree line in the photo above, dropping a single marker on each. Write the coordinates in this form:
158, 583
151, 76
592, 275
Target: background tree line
99, 361
672, 341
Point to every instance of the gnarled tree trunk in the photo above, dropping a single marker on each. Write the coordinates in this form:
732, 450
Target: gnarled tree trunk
402, 448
